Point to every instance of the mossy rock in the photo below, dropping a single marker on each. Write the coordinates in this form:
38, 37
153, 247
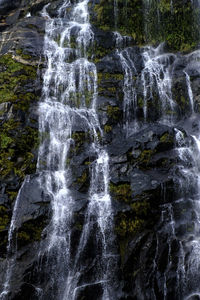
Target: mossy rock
83, 181
121, 192
153, 23
17, 140
167, 142
14, 146
31, 231
79, 138
107, 128
143, 161
4, 218
114, 113
128, 20
133, 221
13, 76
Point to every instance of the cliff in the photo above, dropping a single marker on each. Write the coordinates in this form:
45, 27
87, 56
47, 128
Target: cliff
148, 83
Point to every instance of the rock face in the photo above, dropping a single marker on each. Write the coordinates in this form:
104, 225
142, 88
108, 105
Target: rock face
148, 107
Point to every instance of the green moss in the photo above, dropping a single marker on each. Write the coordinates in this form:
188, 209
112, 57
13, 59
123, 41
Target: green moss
140, 103
98, 52
13, 66
140, 208
127, 226
107, 128
143, 160
156, 22
87, 163
177, 25
13, 146
114, 112
123, 244
129, 19
5, 140
167, 138
23, 55
79, 99
31, 231
12, 195
83, 178
68, 160
131, 222
4, 218
83, 182
13, 78
79, 138
109, 85
183, 100
110, 77
17, 141
121, 192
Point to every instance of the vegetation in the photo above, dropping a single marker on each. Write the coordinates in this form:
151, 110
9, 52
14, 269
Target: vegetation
17, 140
31, 231
156, 22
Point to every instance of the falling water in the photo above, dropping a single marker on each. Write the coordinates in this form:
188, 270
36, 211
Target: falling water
130, 95
129, 91
151, 13
99, 209
193, 244
156, 81
11, 246
190, 94
69, 96
116, 12
189, 262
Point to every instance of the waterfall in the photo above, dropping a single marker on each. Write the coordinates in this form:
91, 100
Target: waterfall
151, 13
156, 81
193, 244
116, 12
11, 246
130, 95
156, 78
100, 209
69, 96
151, 156
190, 94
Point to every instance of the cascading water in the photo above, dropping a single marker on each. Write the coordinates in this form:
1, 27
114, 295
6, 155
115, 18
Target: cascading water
156, 78
69, 94
130, 95
69, 102
150, 6
68, 106
190, 94
156, 81
99, 209
11, 246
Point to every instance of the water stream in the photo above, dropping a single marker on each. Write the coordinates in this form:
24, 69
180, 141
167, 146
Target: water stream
69, 98
156, 80
12, 246
130, 95
69, 95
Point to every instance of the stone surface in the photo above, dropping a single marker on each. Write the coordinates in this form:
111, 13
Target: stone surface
145, 167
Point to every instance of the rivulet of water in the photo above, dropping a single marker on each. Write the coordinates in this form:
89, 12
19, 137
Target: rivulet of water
190, 94
156, 81
11, 246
